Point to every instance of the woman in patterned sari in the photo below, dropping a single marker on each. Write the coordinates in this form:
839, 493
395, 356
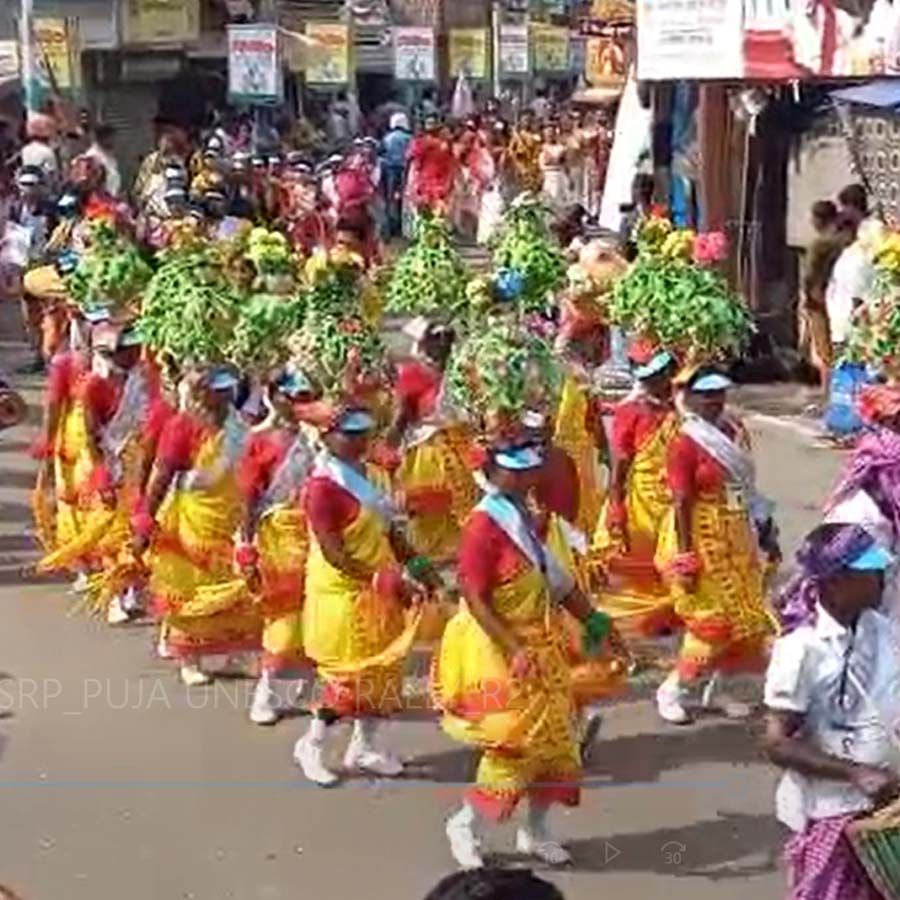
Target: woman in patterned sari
360, 574
186, 523
625, 542
433, 480
274, 544
502, 677
712, 546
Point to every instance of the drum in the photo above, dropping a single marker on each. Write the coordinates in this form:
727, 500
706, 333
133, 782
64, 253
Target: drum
876, 842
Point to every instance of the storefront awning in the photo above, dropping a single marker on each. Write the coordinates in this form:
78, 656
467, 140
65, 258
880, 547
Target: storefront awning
884, 93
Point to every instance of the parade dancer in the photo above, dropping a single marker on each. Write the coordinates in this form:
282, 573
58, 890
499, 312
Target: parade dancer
712, 546
502, 678
624, 545
356, 590
433, 479
186, 524
273, 546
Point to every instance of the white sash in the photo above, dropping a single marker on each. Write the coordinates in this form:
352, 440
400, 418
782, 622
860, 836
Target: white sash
508, 516
132, 409
736, 462
290, 474
356, 484
234, 438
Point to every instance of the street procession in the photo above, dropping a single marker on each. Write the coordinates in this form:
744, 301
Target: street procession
492, 406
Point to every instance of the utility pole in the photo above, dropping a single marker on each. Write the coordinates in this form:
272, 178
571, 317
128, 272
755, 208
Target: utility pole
26, 46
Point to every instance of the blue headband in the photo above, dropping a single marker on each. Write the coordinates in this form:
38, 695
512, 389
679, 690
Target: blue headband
293, 382
520, 459
96, 315
221, 379
873, 559
356, 421
715, 381
659, 363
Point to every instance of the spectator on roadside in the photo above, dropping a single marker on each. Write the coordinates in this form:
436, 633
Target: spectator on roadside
394, 151
39, 152
101, 149
821, 256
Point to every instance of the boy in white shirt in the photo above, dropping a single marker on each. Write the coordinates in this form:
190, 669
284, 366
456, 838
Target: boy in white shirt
833, 699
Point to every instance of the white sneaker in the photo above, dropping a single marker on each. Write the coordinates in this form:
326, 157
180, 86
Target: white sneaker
308, 755
264, 709
81, 584
115, 614
543, 848
366, 759
193, 676
464, 845
668, 704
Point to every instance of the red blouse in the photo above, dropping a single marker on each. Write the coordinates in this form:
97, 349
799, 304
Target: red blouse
263, 455
417, 387
100, 395
488, 558
328, 507
558, 487
65, 370
691, 470
633, 422
181, 439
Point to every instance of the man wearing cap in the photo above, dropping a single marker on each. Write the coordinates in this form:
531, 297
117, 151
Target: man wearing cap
624, 545
39, 152
833, 698
394, 151
274, 544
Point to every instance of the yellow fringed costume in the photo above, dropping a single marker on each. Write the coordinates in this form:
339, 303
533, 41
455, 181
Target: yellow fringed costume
728, 624
526, 728
206, 608
357, 638
635, 595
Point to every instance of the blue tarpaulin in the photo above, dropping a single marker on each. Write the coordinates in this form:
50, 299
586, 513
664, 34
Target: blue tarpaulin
883, 93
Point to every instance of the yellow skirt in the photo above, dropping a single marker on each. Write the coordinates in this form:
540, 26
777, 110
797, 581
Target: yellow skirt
729, 624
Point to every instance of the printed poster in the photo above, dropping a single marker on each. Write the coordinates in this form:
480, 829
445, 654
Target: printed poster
551, 47
414, 54
328, 59
254, 64
514, 50
469, 52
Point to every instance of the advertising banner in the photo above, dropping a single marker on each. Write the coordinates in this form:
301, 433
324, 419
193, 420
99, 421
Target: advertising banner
328, 54
414, 54
469, 52
254, 64
551, 47
171, 22
514, 57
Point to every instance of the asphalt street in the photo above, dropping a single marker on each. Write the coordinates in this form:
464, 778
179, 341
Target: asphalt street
117, 782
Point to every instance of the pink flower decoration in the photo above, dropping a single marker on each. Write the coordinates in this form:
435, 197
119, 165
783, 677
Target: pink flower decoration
709, 248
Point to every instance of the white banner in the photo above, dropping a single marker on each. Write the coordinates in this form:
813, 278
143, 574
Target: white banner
691, 39
414, 54
254, 64
514, 49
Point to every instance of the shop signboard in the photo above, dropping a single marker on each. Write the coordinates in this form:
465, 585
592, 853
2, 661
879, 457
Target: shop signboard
605, 62
791, 40
166, 22
55, 55
254, 64
551, 47
328, 60
514, 50
469, 52
414, 54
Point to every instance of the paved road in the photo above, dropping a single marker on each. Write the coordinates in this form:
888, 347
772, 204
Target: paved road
117, 782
